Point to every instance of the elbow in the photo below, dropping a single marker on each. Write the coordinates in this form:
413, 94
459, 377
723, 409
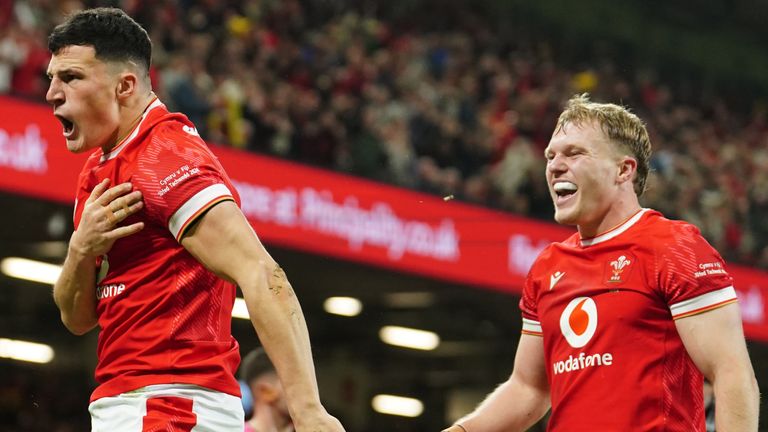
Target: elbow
741, 380
78, 327
79, 330
750, 382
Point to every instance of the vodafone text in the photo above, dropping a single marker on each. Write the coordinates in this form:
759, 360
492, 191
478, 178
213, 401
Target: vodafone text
582, 361
110, 290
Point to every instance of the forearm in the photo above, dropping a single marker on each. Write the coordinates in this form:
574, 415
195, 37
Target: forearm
75, 292
277, 317
737, 401
513, 406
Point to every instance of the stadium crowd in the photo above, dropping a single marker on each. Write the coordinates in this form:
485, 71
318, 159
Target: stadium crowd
458, 112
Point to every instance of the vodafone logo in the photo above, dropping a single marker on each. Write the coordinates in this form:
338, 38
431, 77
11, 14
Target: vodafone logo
579, 321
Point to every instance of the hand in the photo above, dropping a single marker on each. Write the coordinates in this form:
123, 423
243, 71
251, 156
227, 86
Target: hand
323, 422
454, 428
102, 212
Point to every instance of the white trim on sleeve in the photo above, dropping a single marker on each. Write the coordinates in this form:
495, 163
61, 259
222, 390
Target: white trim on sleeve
703, 303
192, 206
531, 326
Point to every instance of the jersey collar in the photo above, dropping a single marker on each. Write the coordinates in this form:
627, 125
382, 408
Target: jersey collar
615, 231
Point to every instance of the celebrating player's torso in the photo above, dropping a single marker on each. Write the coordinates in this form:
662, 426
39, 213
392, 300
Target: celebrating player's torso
606, 308
164, 318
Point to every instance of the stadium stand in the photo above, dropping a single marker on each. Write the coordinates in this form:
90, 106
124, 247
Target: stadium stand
457, 113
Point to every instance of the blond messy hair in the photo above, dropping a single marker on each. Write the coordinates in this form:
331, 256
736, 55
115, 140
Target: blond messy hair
618, 124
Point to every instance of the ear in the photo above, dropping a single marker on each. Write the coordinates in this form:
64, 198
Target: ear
127, 85
266, 392
626, 169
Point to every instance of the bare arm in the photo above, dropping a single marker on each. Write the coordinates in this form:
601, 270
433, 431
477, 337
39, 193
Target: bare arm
519, 402
75, 290
226, 244
715, 342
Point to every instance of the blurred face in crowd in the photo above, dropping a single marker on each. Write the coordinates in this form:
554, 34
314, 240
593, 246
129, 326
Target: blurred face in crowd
589, 180
269, 397
84, 94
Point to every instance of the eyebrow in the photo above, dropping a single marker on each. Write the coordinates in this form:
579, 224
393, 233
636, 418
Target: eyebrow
71, 69
566, 147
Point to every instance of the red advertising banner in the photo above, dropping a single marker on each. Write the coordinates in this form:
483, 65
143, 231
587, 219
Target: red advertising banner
327, 213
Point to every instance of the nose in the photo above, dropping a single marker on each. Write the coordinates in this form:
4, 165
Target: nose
54, 95
556, 165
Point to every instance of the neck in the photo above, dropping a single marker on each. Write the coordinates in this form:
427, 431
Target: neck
618, 213
130, 116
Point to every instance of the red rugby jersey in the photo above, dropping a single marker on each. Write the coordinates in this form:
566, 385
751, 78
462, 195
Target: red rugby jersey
164, 318
606, 308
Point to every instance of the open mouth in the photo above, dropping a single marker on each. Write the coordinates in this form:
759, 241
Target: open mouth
564, 190
67, 124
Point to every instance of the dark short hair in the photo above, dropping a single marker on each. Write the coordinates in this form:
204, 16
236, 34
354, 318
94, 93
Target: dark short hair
254, 365
111, 32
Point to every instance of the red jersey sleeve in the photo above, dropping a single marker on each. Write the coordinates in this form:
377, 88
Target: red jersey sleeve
529, 305
691, 274
180, 178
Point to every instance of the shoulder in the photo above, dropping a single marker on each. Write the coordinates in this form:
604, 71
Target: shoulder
174, 139
175, 128
553, 253
680, 247
669, 233
176, 124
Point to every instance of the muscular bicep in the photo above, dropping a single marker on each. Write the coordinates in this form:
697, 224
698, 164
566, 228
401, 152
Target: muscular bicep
224, 242
714, 339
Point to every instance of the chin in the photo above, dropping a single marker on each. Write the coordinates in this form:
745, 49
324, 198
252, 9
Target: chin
565, 217
75, 147
80, 145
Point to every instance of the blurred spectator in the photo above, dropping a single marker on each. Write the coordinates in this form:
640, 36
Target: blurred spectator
12, 53
449, 112
269, 411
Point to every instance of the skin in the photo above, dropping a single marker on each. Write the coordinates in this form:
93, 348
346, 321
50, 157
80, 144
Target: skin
519, 402
715, 342
226, 244
270, 411
104, 101
582, 155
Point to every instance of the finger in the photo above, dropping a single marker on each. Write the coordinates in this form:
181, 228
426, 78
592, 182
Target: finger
126, 211
98, 190
125, 201
124, 231
110, 215
135, 207
112, 193
130, 199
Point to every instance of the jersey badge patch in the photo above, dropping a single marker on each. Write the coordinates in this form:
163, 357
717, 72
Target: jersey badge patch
618, 270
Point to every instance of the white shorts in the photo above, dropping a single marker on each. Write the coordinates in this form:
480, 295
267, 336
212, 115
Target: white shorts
168, 408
